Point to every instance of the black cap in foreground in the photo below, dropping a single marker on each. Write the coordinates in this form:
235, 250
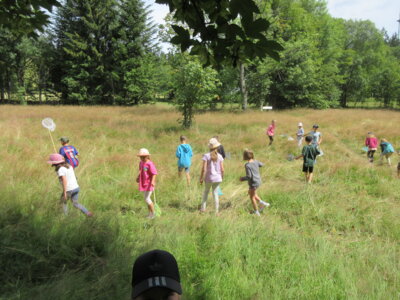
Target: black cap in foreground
156, 268
315, 126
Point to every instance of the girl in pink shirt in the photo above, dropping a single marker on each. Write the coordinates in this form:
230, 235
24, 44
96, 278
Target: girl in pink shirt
212, 173
372, 143
271, 132
147, 179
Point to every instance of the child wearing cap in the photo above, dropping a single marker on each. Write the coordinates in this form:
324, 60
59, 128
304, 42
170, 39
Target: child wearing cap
372, 143
300, 134
271, 132
147, 179
309, 155
184, 154
212, 172
69, 152
66, 176
254, 180
155, 276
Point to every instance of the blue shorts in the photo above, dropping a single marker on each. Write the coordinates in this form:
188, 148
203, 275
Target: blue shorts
187, 169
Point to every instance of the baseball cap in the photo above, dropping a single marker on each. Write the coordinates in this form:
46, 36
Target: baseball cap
64, 139
156, 268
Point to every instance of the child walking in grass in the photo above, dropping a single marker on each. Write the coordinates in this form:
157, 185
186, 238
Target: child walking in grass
316, 138
253, 178
212, 172
221, 151
69, 152
66, 176
372, 143
184, 154
271, 132
309, 154
147, 179
387, 150
300, 134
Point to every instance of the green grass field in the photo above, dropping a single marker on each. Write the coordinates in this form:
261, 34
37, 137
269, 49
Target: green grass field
337, 238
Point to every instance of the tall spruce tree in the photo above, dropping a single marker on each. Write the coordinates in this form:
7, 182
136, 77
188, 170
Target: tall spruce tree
99, 43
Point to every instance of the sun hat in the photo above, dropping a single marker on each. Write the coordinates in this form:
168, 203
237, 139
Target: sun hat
300, 124
315, 126
64, 139
213, 143
156, 268
55, 159
143, 152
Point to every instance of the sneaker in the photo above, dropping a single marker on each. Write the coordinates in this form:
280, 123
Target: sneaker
89, 214
151, 216
255, 212
262, 206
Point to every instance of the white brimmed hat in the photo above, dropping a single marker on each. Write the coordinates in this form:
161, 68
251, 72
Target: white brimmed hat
213, 143
143, 152
300, 124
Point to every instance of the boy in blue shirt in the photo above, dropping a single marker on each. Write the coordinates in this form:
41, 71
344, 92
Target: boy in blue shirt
69, 152
184, 154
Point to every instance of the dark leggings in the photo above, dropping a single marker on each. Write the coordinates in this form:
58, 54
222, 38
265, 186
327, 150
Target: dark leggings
370, 155
271, 139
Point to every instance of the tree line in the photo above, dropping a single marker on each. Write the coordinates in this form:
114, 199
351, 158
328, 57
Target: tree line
108, 52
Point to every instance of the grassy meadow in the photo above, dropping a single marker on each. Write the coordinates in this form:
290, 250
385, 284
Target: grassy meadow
337, 238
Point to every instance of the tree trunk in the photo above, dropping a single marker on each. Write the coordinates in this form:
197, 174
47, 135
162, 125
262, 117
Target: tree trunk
243, 87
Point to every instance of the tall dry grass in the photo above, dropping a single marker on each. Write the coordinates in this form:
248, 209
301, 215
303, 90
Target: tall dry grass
336, 238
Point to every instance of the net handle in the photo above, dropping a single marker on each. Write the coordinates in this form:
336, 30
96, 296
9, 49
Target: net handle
51, 137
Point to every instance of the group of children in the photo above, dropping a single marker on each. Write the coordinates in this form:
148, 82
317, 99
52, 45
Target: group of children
212, 170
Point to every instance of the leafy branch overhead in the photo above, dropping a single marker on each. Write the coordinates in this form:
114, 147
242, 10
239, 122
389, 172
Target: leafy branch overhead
24, 17
222, 31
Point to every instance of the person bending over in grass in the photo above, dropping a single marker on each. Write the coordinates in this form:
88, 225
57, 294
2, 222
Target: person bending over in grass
184, 154
155, 276
66, 176
147, 179
387, 150
253, 178
309, 154
69, 152
271, 132
372, 143
212, 172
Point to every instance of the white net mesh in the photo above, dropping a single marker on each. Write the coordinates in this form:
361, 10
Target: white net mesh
49, 124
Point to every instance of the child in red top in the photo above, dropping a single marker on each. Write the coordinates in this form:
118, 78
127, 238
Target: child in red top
147, 179
372, 143
271, 132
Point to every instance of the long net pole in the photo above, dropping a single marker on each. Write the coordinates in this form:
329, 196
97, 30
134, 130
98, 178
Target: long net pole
51, 137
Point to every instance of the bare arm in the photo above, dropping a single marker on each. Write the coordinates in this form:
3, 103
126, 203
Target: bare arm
153, 180
203, 171
222, 169
64, 185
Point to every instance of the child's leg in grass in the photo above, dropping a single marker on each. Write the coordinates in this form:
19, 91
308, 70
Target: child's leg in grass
187, 174
64, 204
215, 186
74, 194
207, 186
150, 204
253, 199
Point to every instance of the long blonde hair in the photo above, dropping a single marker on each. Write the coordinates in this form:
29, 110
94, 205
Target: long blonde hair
214, 154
